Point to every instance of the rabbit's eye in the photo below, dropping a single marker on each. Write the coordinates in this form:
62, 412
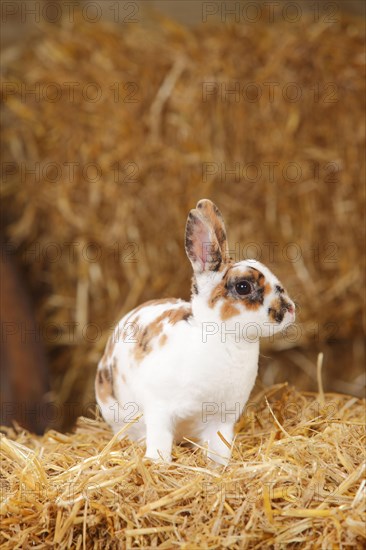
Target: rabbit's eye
243, 288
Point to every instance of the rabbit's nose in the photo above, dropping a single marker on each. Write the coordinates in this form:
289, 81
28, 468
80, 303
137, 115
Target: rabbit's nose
290, 308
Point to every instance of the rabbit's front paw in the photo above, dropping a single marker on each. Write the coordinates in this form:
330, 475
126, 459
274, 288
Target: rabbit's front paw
219, 448
158, 456
159, 438
219, 460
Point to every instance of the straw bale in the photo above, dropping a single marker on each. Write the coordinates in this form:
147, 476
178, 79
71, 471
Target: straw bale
296, 479
152, 133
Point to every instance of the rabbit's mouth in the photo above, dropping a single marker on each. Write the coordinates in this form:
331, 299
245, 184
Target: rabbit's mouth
289, 316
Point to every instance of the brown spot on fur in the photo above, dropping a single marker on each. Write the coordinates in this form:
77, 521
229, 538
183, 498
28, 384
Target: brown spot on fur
228, 310
162, 340
253, 306
220, 290
223, 265
194, 287
153, 330
156, 302
274, 309
109, 349
277, 309
107, 375
123, 378
178, 314
104, 382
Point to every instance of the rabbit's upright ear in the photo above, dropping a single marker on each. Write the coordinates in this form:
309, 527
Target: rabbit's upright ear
201, 244
214, 218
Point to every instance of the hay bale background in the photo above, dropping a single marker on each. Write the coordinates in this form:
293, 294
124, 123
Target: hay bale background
297, 478
151, 136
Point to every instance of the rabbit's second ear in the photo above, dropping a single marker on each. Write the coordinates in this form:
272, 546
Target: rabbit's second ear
201, 243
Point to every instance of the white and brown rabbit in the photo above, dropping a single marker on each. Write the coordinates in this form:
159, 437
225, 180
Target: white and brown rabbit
189, 367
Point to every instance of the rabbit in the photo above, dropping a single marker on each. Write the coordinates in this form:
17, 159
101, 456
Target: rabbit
189, 367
